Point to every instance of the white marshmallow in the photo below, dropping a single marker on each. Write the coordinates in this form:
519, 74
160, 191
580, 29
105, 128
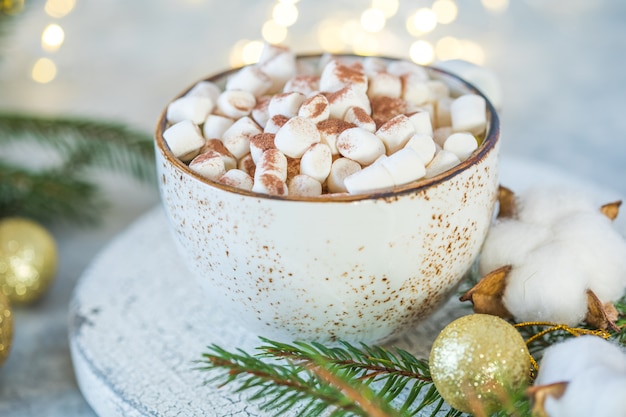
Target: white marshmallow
316, 162
260, 143
438, 89
480, 77
286, 104
184, 140
205, 89
250, 78
404, 166
414, 89
373, 65
384, 84
210, 165
194, 108
442, 112
215, 125
441, 134
422, 122
424, 145
296, 136
443, 161
315, 108
237, 137
330, 129
371, 178
216, 145
336, 76
462, 144
360, 145
360, 118
469, 113
238, 179
274, 124
341, 100
279, 64
270, 184
274, 162
340, 169
247, 165
401, 67
395, 133
304, 186
260, 113
305, 84
236, 103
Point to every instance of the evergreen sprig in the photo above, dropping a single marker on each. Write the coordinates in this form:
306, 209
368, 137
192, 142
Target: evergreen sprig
64, 190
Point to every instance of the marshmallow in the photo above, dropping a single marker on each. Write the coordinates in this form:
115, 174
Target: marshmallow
404, 166
250, 78
296, 136
340, 169
400, 68
216, 145
385, 108
443, 161
304, 84
215, 125
270, 184
385, 85
236, 103
442, 112
422, 122
336, 76
274, 162
373, 65
259, 143
279, 64
237, 137
275, 123
441, 134
330, 130
482, 78
210, 165
194, 108
316, 108
438, 89
360, 145
260, 113
285, 104
414, 89
316, 162
424, 145
304, 186
462, 144
360, 118
205, 89
469, 113
371, 178
395, 133
237, 178
247, 165
184, 140
341, 100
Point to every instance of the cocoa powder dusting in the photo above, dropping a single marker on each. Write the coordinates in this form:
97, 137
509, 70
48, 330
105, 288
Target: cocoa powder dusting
385, 108
351, 74
273, 184
215, 145
319, 105
293, 167
361, 115
279, 120
333, 126
263, 141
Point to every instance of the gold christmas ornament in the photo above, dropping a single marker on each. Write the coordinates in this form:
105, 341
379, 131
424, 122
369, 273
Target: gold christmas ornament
6, 328
476, 361
28, 260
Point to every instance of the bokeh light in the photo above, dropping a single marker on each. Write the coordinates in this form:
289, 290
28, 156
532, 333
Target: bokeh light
448, 47
285, 14
388, 7
497, 6
373, 20
44, 71
422, 21
445, 10
52, 37
366, 44
422, 52
329, 35
472, 51
59, 8
272, 32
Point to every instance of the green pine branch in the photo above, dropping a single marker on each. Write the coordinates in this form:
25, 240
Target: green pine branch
62, 191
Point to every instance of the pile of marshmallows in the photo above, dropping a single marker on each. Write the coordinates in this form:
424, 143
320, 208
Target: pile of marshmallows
338, 125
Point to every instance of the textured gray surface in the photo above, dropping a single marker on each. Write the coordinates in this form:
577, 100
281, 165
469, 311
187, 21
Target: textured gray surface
562, 65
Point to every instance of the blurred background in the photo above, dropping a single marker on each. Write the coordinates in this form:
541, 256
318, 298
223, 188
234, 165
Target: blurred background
561, 65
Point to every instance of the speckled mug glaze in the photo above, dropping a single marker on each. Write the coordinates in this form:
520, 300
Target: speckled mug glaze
357, 268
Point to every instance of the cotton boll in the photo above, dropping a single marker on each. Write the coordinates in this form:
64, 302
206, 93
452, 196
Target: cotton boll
547, 287
567, 360
508, 243
547, 205
598, 249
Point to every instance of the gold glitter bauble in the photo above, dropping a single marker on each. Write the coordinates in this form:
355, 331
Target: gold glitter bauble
476, 361
6, 328
28, 259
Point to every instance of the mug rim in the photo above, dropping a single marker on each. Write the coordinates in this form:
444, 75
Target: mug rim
488, 144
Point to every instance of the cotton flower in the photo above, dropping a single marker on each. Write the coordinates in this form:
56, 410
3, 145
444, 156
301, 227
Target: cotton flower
593, 372
561, 249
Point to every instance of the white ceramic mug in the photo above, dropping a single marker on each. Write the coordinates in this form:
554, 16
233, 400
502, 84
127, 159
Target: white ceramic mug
357, 268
